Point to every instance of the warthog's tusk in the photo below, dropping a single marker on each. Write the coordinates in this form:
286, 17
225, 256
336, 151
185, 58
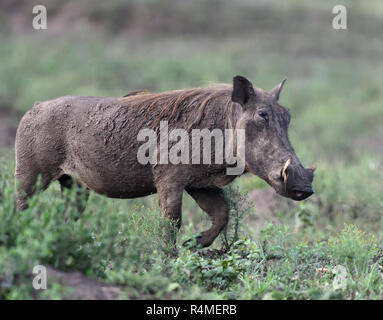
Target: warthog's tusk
284, 175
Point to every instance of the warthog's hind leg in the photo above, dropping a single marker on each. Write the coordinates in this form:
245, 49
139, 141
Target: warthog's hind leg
27, 184
25, 188
213, 203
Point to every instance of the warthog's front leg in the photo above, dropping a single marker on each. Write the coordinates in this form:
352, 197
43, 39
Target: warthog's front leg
213, 203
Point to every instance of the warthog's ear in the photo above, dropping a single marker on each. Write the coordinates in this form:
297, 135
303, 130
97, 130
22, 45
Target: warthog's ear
242, 90
276, 91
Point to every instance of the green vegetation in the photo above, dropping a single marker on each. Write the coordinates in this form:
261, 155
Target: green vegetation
121, 242
328, 247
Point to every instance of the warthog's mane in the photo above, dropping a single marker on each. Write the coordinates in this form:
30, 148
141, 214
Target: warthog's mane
169, 105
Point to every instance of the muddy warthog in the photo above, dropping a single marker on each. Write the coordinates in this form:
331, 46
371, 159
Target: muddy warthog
92, 141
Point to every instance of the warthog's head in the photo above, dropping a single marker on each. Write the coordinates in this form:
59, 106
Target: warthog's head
268, 152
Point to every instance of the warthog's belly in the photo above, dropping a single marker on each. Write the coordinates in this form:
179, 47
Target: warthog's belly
109, 171
125, 184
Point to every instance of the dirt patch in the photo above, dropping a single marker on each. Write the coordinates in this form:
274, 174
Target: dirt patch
268, 204
82, 287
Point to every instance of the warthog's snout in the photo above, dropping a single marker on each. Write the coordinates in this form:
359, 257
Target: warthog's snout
297, 181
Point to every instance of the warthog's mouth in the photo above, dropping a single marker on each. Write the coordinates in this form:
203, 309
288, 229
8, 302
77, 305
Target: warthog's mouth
299, 195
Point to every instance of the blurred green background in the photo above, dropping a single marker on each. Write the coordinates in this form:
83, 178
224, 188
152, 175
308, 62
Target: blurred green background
334, 87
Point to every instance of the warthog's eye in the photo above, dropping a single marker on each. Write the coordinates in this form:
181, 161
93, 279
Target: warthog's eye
264, 115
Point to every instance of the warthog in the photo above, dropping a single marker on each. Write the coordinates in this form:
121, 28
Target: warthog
92, 141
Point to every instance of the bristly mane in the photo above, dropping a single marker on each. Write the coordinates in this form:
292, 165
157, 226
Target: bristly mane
169, 105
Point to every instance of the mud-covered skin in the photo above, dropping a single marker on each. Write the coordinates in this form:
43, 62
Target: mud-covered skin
93, 140
88, 138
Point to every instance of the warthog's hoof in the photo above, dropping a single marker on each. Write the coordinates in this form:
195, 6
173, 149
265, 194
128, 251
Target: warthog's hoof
194, 243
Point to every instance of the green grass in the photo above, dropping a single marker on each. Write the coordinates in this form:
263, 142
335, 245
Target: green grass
121, 242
